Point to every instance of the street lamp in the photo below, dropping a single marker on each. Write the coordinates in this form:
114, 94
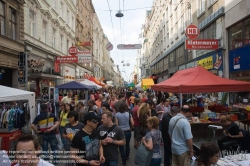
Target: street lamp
119, 14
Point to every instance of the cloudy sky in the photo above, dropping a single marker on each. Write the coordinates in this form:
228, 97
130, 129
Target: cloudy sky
126, 29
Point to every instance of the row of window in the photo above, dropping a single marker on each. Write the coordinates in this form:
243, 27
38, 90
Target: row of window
8, 22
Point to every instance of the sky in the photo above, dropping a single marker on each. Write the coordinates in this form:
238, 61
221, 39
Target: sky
126, 29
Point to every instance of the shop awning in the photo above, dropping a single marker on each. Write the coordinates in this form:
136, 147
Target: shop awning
42, 75
93, 79
198, 79
74, 85
147, 82
131, 85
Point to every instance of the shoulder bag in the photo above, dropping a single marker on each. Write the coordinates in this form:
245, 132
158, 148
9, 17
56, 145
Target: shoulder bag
40, 137
143, 156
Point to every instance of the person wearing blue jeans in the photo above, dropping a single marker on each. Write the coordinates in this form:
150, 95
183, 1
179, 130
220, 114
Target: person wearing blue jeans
125, 152
52, 140
110, 163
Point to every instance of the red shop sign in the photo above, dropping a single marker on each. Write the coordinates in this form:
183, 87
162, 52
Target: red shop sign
67, 59
192, 31
72, 51
202, 44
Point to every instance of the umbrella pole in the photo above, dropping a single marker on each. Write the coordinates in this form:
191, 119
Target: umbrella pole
86, 95
181, 99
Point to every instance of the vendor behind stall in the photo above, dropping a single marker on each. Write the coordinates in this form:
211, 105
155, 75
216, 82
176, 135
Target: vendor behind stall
232, 133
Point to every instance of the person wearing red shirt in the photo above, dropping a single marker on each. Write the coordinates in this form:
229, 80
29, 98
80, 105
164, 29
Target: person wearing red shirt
137, 128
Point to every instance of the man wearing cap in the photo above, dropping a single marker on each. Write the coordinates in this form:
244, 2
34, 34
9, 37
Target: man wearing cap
86, 149
181, 136
166, 139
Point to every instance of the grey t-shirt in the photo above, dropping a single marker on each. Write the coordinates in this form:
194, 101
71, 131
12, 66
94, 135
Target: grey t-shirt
69, 129
123, 120
155, 136
110, 151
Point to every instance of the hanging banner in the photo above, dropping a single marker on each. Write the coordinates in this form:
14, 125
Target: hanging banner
129, 46
67, 59
84, 59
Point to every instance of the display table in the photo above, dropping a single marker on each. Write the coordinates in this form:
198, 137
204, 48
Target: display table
223, 162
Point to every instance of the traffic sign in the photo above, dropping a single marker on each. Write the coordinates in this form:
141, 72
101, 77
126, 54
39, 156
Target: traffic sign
109, 46
192, 31
72, 51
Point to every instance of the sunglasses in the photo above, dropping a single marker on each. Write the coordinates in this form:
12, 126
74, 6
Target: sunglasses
94, 121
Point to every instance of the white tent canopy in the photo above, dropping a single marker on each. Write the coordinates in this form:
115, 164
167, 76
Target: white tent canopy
138, 86
91, 84
11, 94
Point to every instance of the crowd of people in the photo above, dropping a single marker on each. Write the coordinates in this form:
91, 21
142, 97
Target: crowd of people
98, 131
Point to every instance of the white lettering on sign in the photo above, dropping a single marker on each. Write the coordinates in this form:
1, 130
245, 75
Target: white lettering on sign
192, 31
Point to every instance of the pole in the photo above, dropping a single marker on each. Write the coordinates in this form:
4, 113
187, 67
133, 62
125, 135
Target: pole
181, 99
26, 70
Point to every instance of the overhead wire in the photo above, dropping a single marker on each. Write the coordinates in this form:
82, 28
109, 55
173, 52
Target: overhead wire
113, 30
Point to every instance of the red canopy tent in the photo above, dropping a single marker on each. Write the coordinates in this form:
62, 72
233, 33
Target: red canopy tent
198, 79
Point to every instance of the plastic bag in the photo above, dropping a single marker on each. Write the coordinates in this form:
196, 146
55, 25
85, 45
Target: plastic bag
60, 144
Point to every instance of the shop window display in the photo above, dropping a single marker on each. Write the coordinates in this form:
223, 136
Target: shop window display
247, 31
235, 36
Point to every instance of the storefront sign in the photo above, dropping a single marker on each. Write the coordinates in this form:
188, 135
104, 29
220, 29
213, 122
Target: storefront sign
56, 67
69, 73
202, 44
84, 59
84, 53
36, 63
83, 43
207, 63
72, 51
129, 46
67, 59
239, 59
192, 31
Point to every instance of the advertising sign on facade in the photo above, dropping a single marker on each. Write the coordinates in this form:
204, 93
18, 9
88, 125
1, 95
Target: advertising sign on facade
72, 51
83, 43
192, 31
84, 59
202, 44
84, 53
129, 46
239, 59
212, 62
207, 63
67, 59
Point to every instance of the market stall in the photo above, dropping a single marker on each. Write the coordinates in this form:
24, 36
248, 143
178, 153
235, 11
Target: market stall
138, 86
147, 83
20, 103
90, 84
74, 85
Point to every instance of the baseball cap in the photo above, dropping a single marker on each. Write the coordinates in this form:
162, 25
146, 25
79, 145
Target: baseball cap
90, 116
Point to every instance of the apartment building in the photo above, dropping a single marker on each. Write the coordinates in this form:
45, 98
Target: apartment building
49, 30
165, 34
11, 40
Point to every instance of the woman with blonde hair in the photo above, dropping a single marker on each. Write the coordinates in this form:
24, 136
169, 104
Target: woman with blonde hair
152, 140
143, 113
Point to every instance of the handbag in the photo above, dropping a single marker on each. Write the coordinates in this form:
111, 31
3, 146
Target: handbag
143, 156
40, 137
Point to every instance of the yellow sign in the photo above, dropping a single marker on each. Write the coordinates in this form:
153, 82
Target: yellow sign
207, 63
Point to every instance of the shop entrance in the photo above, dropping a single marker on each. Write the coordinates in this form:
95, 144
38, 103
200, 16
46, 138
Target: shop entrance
6, 77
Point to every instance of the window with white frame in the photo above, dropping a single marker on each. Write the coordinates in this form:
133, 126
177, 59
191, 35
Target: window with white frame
12, 23
61, 43
182, 23
68, 16
67, 45
200, 7
73, 23
53, 4
210, 2
32, 23
188, 15
54, 38
61, 10
44, 31
2, 18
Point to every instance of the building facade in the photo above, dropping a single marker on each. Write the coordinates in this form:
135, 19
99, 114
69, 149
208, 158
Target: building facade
165, 35
49, 30
11, 40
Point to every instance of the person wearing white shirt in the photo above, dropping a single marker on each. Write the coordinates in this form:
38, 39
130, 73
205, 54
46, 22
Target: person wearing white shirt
26, 149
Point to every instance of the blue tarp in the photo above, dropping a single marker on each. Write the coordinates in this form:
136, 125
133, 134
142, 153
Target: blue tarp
73, 85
